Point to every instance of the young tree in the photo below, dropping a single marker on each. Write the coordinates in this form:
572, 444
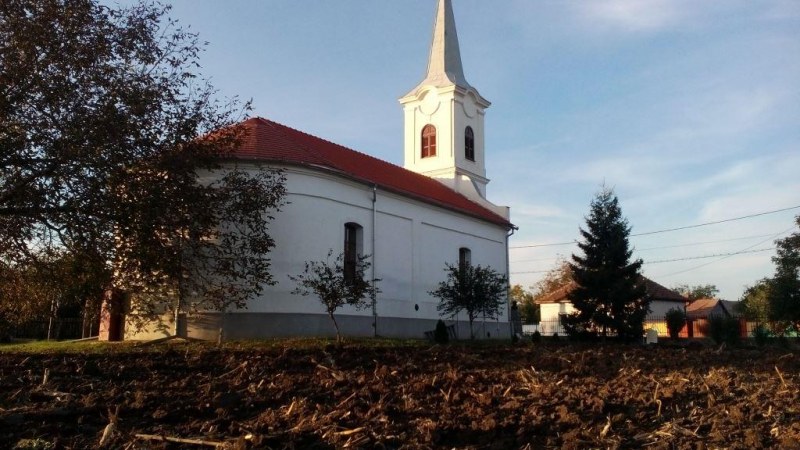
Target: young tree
100, 156
334, 287
754, 303
557, 277
609, 295
480, 291
695, 292
528, 310
784, 292
676, 319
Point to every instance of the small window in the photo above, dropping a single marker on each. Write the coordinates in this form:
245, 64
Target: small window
469, 144
352, 248
428, 141
464, 258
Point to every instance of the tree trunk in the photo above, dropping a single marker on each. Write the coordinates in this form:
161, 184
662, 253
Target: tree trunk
336, 325
471, 333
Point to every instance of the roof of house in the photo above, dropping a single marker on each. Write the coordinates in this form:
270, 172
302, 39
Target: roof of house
703, 307
266, 140
655, 290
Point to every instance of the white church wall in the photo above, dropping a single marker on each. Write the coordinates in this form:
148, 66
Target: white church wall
413, 241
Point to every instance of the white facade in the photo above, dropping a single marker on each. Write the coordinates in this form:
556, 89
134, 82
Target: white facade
409, 242
410, 233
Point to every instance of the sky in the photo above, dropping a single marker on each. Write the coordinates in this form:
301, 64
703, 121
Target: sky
689, 110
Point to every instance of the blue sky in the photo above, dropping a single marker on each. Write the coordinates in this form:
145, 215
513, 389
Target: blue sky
689, 109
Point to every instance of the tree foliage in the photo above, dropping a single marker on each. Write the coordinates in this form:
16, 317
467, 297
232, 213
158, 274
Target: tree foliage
784, 292
529, 311
100, 117
557, 277
698, 291
328, 282
676, 319
479, 291
754, 303
609, 295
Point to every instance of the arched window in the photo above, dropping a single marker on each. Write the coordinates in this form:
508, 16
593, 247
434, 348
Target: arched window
428, 141
469, 144
352, 248
464, 258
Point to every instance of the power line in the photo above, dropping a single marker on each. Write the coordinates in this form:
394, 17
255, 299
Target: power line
691, 244
529, 271
709, 256
688, 258
542, 245
775, 236
749, 216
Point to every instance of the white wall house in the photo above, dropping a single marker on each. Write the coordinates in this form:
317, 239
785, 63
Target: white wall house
411, 220
557, 303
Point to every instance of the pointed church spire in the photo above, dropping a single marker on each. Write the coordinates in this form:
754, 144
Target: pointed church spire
444, 63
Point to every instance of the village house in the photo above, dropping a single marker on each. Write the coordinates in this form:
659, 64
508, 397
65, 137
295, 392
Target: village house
556, 304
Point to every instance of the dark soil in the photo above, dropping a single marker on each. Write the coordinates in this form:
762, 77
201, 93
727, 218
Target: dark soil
361, 396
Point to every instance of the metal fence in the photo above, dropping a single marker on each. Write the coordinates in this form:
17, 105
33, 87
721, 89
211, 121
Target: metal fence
694, 327
60, 329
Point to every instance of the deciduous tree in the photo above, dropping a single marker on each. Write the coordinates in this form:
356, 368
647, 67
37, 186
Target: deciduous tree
334, 288
754, 303
784, 292
609, 295
476, 290
698, 291
101, 155
528, 310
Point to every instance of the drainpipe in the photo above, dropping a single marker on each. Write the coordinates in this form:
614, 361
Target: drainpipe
508, 275
374, 260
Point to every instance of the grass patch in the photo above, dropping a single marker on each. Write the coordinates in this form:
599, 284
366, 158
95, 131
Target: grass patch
62, 347
97, 347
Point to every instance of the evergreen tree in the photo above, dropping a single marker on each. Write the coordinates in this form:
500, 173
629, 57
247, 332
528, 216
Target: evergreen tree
610, 294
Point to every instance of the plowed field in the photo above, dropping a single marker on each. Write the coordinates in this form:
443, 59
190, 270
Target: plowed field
365, 396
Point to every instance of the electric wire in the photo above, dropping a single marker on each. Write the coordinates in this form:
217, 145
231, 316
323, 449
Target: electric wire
689, 244
773, 237
687, 258
667, 230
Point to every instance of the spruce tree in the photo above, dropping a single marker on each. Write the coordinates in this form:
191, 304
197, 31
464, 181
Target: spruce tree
610, 295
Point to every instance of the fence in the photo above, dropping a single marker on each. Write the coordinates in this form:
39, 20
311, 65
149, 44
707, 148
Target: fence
694, 328
61, 329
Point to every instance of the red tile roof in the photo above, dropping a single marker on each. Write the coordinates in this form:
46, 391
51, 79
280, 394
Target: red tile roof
655, 290
266, 140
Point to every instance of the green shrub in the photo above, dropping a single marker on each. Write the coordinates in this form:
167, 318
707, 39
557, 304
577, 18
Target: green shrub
761, 335
676, 319
536, 336
724, 329
440, 334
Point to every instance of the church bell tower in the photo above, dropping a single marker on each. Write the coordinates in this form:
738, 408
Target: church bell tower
444, 130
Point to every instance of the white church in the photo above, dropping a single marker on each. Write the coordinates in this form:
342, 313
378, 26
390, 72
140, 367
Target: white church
412, 220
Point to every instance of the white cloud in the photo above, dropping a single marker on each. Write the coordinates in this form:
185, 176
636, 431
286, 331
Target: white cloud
633, 15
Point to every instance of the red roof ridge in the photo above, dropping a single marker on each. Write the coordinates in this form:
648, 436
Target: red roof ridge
280, 128
282, 143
